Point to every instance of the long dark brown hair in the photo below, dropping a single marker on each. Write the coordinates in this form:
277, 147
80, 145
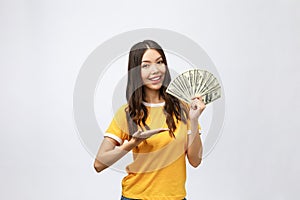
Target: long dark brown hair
136, 111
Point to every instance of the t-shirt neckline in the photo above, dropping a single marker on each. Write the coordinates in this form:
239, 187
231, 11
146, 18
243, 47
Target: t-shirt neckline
153, 104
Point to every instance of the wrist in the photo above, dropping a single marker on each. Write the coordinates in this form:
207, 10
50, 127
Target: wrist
128, 146
135, 141
191, 132
194, 120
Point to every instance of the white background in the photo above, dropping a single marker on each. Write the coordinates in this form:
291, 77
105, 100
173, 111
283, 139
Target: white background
254, 44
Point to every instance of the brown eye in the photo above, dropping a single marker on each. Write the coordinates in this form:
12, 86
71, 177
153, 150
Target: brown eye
145, 65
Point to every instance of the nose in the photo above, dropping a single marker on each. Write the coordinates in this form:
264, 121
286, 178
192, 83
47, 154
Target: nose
154, 68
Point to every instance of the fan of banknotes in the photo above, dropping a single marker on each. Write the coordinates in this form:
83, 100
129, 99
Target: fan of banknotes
193, 83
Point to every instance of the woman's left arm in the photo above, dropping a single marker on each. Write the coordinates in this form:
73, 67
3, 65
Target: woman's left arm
194, 148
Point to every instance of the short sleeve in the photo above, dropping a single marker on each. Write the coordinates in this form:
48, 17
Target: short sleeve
118, 128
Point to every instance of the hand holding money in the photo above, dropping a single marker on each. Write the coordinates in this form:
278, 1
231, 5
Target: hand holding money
193, 83
196, 108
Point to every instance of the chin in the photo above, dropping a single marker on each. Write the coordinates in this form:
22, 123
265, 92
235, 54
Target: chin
154, 87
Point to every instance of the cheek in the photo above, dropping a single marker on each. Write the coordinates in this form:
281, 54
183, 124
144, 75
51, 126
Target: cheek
144, 74
163, 69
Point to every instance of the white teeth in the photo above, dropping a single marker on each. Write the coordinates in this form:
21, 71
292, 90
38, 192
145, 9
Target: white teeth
155, 79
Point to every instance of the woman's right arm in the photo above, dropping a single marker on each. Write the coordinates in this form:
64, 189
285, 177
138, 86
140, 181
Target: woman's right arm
109, 153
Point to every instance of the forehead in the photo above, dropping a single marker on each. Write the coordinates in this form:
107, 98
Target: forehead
150, 55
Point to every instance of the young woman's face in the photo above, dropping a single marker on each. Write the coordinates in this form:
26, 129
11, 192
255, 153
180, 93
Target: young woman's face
153, 70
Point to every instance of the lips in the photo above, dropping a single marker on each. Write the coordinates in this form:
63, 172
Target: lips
155, 80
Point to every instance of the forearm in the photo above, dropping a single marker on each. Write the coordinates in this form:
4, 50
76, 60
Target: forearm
194, 150
109, 154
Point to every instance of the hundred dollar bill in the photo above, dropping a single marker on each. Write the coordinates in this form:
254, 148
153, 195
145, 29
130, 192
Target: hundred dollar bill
183, 80
187, 79
206, 78
179, 96
212, 96
176, 89
210, 83
198, 80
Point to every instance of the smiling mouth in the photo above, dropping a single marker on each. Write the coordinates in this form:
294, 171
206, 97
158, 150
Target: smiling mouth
155, 78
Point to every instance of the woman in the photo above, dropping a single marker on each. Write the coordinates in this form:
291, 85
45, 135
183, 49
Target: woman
160, 130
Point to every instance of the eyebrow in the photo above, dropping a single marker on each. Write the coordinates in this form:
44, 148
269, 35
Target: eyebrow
150, 61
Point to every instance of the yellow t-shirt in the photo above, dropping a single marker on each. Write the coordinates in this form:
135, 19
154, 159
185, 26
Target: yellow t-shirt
158, 170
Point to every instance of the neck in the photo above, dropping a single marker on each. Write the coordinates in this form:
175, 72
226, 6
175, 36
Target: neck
153, 97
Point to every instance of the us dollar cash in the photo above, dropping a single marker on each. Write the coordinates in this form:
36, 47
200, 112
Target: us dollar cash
194, 83
211, 96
